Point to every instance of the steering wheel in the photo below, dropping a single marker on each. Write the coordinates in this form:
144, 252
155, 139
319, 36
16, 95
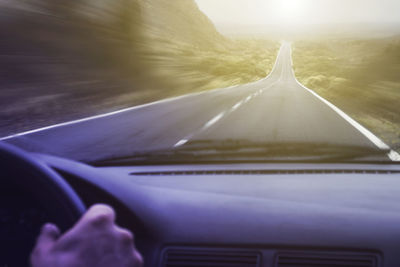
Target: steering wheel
31, 194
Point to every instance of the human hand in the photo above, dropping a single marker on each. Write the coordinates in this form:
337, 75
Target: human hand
94, 241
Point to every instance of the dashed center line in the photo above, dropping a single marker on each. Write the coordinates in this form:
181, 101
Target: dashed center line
213, 121
218, 118
235, 107
181, 142
206, 126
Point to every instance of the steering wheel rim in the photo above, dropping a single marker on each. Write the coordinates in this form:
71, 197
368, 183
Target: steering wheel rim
28, 172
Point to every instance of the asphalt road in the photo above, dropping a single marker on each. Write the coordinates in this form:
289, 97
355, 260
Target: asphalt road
275, 109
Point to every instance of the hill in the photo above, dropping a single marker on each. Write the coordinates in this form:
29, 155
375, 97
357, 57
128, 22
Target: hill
360, 76
64, 60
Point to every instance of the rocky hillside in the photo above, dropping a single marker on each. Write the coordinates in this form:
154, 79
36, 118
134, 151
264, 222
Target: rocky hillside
62, 60
180, 20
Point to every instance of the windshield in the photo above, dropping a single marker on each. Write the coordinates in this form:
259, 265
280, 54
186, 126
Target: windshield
202, 81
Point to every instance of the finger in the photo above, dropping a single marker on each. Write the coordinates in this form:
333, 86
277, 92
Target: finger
98, 215
125, 235
138, 258
97, 218
48, 235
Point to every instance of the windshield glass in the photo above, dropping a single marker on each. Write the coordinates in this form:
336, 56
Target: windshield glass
202, 81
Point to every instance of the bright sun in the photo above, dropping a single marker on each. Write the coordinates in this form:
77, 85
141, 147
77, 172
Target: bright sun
290, 11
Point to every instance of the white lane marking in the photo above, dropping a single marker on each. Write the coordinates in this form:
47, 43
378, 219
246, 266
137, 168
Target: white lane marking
131, 108
373, 138
213, 121
257, 93
206, 126
105, 114
393, 155
236, 106
276, 63
181, 142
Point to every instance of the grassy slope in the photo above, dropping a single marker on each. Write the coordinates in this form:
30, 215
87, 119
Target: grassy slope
188, 48
359, 76
86, 57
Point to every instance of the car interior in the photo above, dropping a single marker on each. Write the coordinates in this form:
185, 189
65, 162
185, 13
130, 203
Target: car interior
210, 215
224, 133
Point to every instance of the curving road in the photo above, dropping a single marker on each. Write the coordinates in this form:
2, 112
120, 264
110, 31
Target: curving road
275, 109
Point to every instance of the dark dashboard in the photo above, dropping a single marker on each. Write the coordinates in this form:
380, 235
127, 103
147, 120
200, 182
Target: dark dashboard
250, 215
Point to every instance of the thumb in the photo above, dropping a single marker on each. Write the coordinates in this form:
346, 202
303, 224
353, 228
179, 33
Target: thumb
48, 235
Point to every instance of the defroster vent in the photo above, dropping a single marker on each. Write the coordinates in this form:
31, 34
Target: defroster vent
209, 257
325, 260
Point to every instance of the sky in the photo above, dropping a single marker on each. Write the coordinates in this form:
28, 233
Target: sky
296, 13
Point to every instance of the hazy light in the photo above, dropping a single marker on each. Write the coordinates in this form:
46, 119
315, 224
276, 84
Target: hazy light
290, 11
304, 12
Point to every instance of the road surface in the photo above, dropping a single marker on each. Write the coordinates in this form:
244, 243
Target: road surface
275, 109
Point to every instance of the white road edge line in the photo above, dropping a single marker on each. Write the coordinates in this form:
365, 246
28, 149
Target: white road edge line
103, 115
276, 62
393, 155
130, 108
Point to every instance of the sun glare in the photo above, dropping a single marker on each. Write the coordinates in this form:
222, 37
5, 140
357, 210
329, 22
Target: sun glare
291, 11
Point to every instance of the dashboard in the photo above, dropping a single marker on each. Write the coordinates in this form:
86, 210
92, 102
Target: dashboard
251, 214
